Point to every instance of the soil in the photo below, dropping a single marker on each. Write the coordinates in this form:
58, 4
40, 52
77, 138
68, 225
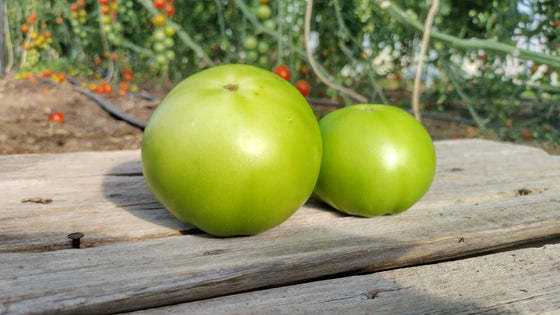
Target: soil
25, 128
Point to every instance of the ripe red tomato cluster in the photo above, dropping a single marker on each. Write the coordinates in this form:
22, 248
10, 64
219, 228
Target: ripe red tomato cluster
166, 6
302, 85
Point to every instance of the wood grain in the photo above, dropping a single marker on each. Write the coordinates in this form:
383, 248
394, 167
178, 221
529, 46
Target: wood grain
522, 281
138, 256
108, 189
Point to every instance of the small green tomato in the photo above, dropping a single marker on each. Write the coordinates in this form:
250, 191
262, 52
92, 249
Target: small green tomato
377, 159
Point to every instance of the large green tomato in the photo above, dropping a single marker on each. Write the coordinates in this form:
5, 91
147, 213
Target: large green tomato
377, 159
232, 150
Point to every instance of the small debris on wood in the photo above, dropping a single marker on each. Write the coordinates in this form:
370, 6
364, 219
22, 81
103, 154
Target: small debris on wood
523, 192
37, 200
214, 252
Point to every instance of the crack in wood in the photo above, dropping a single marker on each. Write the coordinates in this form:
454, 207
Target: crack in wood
372, 294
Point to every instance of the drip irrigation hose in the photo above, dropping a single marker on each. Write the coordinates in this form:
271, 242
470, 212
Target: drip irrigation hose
108, 107
105, 105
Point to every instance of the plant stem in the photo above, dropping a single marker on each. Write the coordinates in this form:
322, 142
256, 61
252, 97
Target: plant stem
105, 44
313, 64
9, 49
27, 40
423, 49
486, 44
453, 76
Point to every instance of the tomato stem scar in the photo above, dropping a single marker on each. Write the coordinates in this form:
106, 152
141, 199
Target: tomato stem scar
231, 87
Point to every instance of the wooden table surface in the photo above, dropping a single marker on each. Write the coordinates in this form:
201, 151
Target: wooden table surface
484, 239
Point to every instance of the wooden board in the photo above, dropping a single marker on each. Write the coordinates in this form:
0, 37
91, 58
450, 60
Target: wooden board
521, 281
485, 196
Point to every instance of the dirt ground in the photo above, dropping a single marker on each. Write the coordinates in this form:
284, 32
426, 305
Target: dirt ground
25, 108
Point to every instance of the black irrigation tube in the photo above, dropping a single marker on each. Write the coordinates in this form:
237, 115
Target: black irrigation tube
108, 107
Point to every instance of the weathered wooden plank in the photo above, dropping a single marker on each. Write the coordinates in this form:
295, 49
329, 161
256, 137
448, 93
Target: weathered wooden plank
167, 271
146, 262
107, 188
525, 281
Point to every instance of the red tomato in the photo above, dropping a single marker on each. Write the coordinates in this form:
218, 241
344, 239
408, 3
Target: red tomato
128, 77
31, 18
160, 4
169, 9
283, 72
303, 87
525, 134
57, 117
105, 9
81, 3
104, 2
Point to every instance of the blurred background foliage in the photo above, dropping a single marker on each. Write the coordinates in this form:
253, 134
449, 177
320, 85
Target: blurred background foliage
370, 46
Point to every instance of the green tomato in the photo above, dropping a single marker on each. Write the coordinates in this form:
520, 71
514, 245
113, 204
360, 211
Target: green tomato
161, 58
117, 26
264, 11
377, 159
169, 30
106, 19
111, 37
158, 47
168, 42
118, 41
250, 42
170, 54
232, 150
269, 25
252, 56
263, 47
159, 35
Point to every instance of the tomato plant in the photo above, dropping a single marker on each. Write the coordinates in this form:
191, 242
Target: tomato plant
377, 159
355, 43
239, 160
